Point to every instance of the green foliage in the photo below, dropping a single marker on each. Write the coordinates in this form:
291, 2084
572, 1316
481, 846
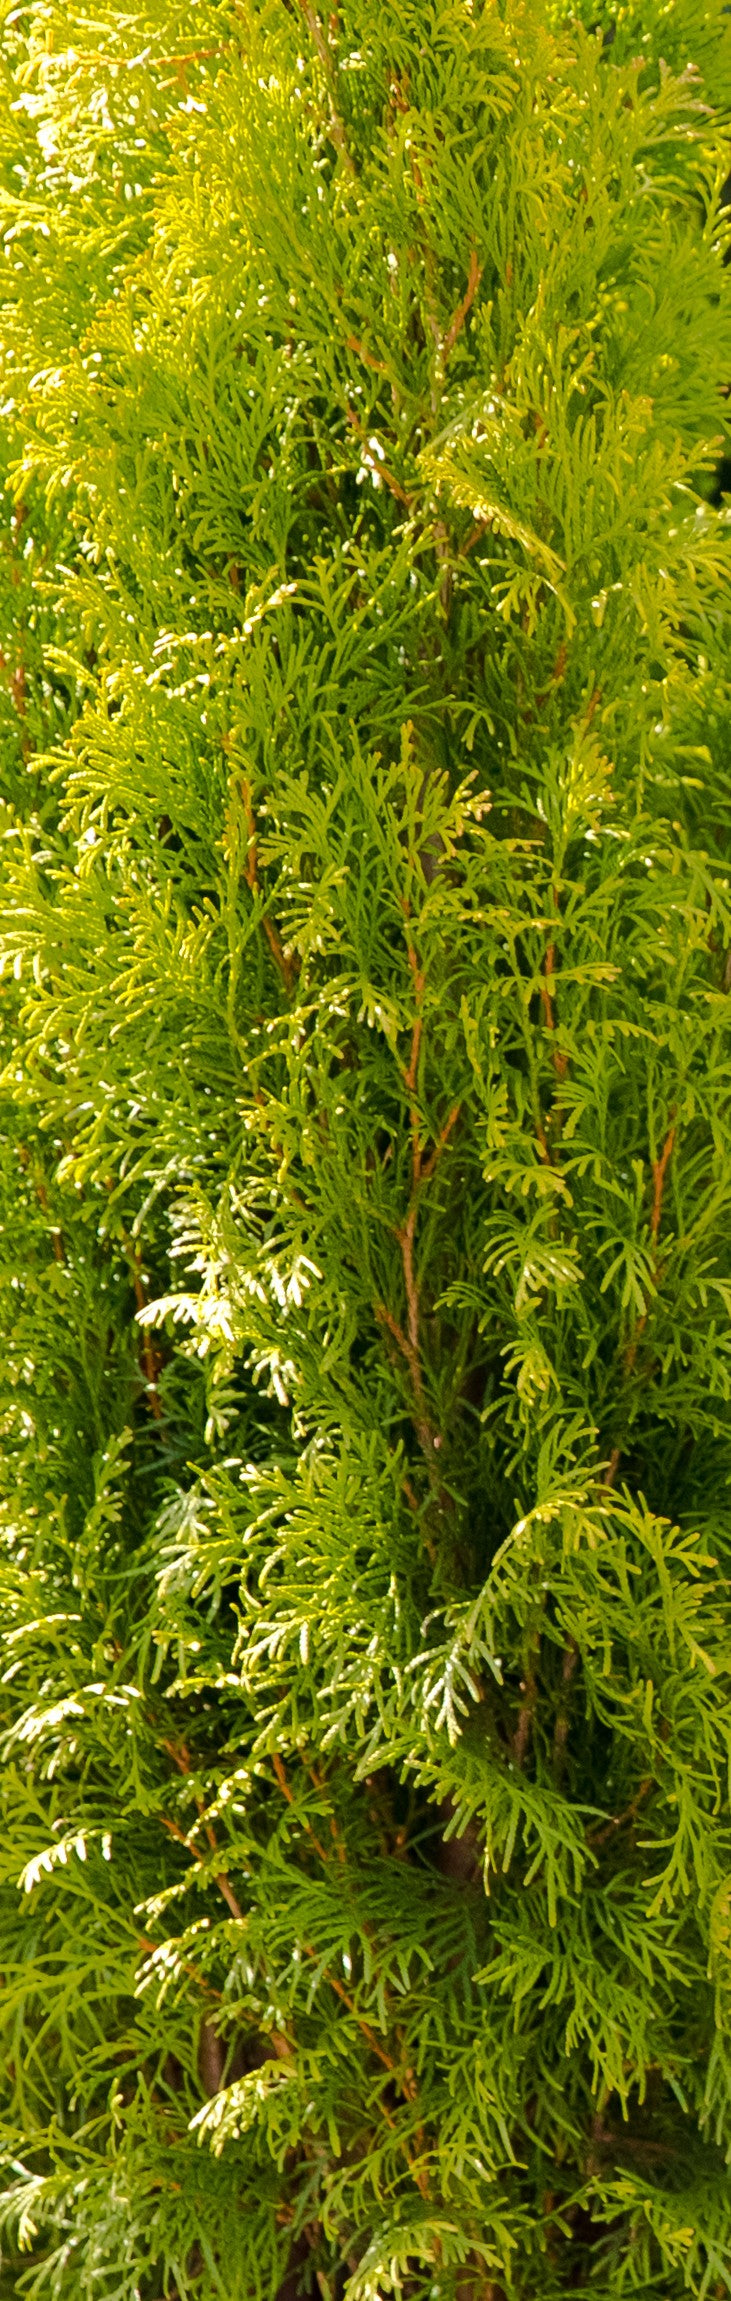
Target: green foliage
365, 1183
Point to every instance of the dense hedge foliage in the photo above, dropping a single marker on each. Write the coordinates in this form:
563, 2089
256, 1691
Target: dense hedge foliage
365, 723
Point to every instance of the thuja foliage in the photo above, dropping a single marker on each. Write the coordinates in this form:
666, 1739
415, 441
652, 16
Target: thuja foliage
365, 1910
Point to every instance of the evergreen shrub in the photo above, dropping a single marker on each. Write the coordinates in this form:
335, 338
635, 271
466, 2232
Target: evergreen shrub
365, 1895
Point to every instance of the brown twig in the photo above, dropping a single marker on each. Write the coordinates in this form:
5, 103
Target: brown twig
320, 45
559, 1059
459, 316
428, 1165
42, 1197
223, 1883
354, 345
364, 2026
284, 960
556, 674
524, 1726
408, 1341
286, 1793
181, 1758
479, 529
546, 992
410, 1353
150, 1948
150, 1357
659, 1171
403, 2078
131, 63
406, 2079
599, 1836
375, 463
543, 1144
560, 1736
335, 1832
410, 1073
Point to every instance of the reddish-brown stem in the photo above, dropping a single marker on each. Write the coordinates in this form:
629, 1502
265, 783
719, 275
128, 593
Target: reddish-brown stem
354, 345
479, 529
386, 1318
285, 961
409, 1342
320, 45
600, 1836
428, 1165
375, 464
560, 1737
459, 316
364, 2026
556, 674
155, 63
659, 1172
335, 1833
181, 1758
546, 993
403, 2078
42, 1197
223, 1883
413, 1063
543, 1145
286, 1793
525, 1723
149, 1948
149, 1356
560, 1060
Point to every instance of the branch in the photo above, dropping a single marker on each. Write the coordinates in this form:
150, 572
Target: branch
599, 1837
403, 2078
556, 674
524, 1727
150, 1357
56, 1234
285, 961
181, 1758
221, 1881
526, 1714
479, 529
659, 1171
150, 1948
560, 1737
286, 1793
374, 462
435, 1154
354, 345
429, 1439
458, 318
320, 45
559, 1059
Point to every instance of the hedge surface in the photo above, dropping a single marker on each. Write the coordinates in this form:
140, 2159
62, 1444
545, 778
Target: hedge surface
365, 1181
